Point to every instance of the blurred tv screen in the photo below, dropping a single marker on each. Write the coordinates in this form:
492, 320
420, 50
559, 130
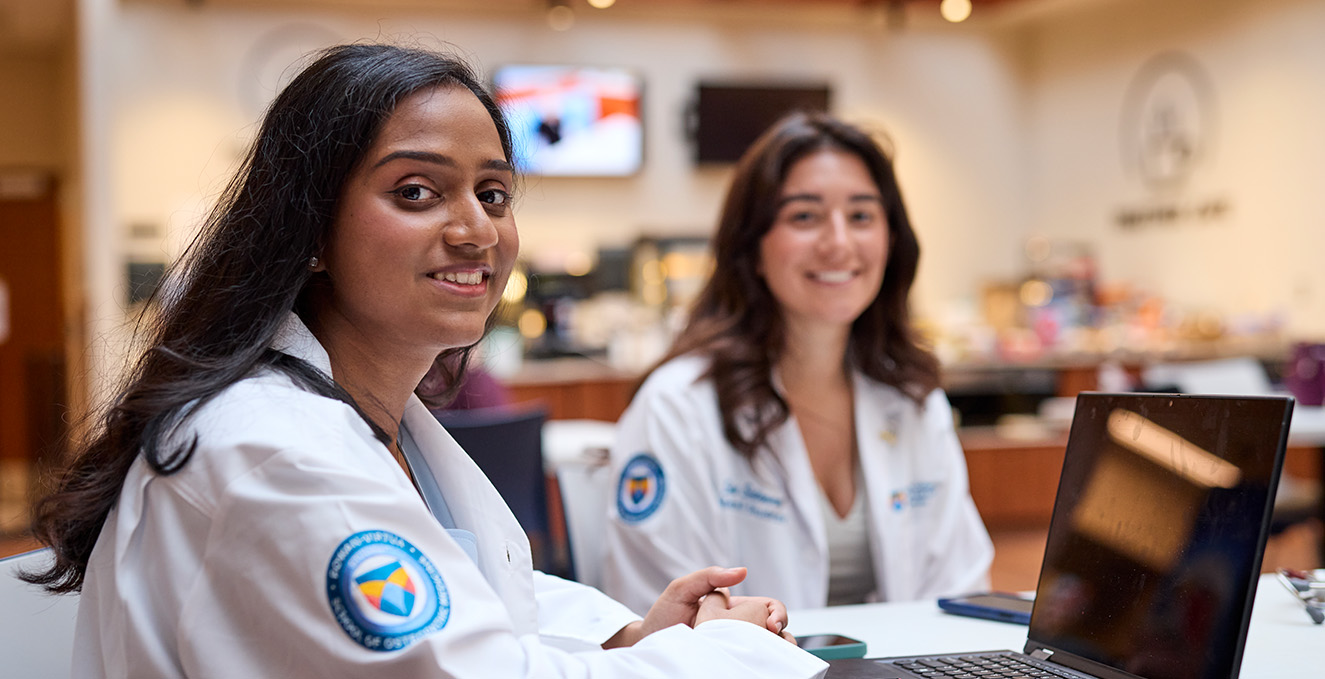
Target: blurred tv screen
573, 121
729, 116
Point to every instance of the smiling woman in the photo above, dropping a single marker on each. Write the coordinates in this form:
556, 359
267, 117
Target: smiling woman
420, 248
269, 495
797, 419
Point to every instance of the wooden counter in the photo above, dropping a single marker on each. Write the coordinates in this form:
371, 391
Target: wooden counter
1014, 480
574, 388
580, 388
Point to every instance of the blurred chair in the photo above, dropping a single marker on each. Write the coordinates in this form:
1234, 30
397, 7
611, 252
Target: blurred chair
507, 444
36, 629
577, 451
586, 489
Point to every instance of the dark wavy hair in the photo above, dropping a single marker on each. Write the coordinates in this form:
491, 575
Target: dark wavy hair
240, 278
736, 322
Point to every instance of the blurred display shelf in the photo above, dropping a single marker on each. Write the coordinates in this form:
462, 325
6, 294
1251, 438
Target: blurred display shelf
983, 390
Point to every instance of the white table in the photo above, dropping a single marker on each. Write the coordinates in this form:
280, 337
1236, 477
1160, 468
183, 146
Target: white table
1282, 642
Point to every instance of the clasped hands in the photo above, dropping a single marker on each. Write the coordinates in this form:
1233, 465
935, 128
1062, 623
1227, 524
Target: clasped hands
702, 596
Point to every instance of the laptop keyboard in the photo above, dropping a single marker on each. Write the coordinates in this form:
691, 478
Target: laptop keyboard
996, 666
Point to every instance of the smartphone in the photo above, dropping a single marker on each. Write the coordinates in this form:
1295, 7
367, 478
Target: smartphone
991, 606
831, 646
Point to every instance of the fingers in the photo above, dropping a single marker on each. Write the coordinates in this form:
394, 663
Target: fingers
777, 616
689, 588
749, 609
713, 607
776, 619
755, 610
680, 602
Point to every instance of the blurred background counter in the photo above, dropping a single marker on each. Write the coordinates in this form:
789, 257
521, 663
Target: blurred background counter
574, 388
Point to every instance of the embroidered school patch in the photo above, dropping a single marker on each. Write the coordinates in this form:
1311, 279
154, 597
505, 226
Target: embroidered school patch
384, 592
640, 489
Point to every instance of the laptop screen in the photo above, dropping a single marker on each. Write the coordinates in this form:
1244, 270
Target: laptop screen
1161, 518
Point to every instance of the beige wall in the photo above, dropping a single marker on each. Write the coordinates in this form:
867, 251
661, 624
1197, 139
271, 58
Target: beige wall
186, 85
1265, 60
1004, 129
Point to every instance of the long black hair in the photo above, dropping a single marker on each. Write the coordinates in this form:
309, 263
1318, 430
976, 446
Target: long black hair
240, 278
735, 321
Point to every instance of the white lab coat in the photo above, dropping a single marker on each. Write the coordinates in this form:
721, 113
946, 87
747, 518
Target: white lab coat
223, 569
926, 538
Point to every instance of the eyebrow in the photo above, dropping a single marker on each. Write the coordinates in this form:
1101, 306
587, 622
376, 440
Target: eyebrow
440, 159
816, 198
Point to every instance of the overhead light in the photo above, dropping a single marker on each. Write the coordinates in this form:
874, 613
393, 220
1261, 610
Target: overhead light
560, 17
955, 11
601, 4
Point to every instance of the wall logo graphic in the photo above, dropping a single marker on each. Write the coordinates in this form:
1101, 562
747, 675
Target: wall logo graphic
1168, 131
1169, 120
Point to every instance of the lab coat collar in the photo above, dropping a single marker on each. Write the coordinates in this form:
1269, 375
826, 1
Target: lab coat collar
294, 338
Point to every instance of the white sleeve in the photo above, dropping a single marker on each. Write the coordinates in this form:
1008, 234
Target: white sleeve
575, 616
653, 541
959, 549
287, 590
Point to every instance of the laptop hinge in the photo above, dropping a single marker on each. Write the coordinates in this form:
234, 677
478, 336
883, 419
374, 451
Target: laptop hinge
1041, 653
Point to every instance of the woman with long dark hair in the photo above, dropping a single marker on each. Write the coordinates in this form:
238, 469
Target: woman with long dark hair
797, 425
268, 496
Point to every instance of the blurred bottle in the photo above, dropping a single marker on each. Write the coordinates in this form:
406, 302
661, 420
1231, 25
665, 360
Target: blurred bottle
1305, 374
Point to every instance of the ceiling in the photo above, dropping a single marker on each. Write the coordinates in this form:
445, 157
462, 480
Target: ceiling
40, 27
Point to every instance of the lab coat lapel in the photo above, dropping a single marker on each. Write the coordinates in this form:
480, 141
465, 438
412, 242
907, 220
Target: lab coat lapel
787, 450
879, 416
503, 548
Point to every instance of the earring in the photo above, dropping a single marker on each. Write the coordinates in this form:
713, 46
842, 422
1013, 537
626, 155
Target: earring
313, 262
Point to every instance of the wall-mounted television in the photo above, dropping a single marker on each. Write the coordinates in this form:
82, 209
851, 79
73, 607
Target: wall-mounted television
728, 116
573, 121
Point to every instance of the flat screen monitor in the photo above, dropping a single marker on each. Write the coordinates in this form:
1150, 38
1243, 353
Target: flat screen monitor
573, 121
730, 116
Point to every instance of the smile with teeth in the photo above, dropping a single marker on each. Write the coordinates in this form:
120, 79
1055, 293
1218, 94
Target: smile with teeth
832, 276
460, 277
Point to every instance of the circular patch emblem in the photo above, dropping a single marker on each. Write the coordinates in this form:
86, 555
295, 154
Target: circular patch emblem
384, 592
640, 490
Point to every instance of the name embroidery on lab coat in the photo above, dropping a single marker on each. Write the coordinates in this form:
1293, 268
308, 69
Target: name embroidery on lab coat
917, 495
640, 489
751, 500
384, 592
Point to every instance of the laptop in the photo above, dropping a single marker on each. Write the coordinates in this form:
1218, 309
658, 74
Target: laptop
1154, 548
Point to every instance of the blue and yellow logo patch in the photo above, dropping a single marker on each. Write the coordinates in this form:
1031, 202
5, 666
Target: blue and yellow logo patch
384, 592
640, 489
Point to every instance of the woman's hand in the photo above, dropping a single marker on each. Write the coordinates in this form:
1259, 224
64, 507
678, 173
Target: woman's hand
699, 597
757, 610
